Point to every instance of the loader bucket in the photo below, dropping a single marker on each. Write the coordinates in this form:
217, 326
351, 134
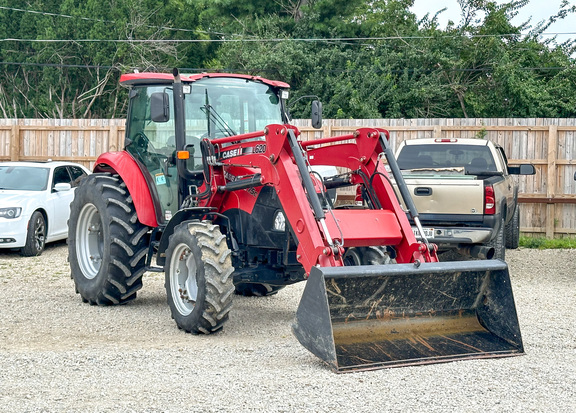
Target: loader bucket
378, 316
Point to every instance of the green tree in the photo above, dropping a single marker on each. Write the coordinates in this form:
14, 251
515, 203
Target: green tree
362, 58
78, 77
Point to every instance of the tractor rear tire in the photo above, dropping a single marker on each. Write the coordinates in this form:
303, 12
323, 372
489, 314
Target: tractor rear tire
199, 283
107, 245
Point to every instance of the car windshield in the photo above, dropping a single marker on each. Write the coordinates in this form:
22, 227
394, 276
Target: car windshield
23, 178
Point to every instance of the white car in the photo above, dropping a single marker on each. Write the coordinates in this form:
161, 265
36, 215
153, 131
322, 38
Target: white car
35, 203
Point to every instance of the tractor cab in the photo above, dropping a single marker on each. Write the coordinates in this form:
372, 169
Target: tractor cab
214, 106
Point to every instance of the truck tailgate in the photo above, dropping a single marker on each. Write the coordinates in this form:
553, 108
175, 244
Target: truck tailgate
447, 196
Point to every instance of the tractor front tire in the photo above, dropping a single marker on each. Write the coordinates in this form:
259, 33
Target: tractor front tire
199, 283
107, 245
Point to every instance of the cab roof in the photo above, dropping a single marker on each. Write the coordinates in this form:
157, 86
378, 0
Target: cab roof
168, 78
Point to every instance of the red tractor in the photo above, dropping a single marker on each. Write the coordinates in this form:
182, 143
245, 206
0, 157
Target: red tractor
215, 189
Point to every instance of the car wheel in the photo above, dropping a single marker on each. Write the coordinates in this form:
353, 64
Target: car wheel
35, 236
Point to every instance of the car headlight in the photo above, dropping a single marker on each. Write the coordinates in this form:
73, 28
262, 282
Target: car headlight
279, 221
13, 212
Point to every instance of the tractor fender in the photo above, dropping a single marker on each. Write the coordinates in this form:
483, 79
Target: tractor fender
123, 164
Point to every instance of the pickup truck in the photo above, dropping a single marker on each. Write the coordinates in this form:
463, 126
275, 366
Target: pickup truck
465, 193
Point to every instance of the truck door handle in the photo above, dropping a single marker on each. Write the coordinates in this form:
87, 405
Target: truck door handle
422, 191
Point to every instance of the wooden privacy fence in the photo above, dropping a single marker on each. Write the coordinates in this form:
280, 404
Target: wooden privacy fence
78, 140
548, 198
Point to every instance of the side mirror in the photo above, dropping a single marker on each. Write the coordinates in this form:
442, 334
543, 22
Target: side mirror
316, 114
62, 187
525, 169
160, 107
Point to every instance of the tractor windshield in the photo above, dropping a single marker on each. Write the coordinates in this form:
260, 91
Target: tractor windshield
214, 108
220, 107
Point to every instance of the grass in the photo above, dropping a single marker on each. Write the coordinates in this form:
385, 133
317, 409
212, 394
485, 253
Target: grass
542, 243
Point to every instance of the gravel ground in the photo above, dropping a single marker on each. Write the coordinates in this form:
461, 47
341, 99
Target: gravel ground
60, 355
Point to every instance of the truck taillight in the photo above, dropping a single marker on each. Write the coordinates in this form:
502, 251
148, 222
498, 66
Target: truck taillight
489, 203
445, 140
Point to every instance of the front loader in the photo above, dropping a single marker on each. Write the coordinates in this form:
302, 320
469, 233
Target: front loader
215, 189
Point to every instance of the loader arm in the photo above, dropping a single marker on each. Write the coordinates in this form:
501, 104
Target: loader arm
276, 167
321, 237
365, 156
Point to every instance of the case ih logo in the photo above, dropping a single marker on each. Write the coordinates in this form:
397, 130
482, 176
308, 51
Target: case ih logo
231, 153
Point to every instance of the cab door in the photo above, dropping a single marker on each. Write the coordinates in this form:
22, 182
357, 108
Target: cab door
152, 143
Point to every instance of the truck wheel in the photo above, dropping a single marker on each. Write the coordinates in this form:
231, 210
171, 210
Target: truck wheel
499, 244
36, 236
513, 230
107, 245
199, 277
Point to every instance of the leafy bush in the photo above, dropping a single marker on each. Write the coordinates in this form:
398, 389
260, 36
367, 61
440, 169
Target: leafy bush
545, 243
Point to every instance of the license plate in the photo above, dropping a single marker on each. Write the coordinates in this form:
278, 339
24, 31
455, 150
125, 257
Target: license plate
428, 232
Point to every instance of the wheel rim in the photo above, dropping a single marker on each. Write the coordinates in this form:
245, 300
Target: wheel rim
89, 241
39, 233
183, 284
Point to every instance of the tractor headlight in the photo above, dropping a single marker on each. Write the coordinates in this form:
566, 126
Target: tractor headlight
9, 213
279, 222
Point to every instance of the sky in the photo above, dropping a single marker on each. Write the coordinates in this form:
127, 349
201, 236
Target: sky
538, 10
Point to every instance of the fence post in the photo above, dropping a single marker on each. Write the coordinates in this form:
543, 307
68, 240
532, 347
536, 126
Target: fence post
15, 143
437, 132
551, 180
113, 138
